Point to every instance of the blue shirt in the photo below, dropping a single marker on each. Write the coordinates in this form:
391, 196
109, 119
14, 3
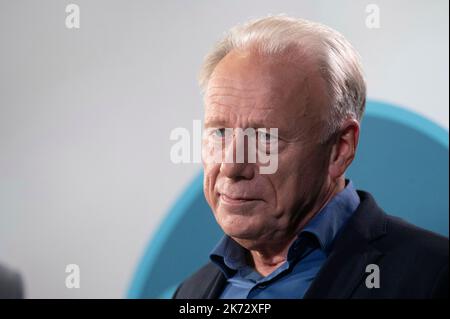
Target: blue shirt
305, 256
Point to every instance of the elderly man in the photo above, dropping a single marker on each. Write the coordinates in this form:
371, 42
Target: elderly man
302, 231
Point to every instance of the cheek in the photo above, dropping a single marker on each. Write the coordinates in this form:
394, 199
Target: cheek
296, 176
303, 162
292, 165
212, 152
211, 172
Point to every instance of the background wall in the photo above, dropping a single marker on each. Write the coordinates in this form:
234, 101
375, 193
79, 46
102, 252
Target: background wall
85, 117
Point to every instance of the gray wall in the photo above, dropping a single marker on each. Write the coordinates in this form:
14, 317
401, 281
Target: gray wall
85, 117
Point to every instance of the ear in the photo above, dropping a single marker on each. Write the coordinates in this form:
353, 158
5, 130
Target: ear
344, 148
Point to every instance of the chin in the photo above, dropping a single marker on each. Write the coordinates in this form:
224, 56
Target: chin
238, 226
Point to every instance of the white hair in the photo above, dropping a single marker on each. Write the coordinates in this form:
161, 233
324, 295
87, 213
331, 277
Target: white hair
338, 62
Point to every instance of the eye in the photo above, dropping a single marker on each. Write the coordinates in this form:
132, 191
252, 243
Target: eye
220, 132
266, 137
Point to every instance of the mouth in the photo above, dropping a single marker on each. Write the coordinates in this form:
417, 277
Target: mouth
236, 200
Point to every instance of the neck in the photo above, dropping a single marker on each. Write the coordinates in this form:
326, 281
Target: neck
267, 258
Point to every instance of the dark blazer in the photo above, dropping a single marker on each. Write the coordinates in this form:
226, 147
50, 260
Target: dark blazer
10, 284
413, 262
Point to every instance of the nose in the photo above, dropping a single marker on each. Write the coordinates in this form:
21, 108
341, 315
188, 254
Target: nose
233, 168
237, 170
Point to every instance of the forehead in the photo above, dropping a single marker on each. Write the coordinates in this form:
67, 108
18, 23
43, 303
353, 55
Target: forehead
247, 89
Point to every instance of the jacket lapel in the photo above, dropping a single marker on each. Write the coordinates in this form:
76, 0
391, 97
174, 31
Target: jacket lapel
353, 250
217, 285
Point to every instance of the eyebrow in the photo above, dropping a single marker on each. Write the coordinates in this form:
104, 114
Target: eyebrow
215, 121
218, 122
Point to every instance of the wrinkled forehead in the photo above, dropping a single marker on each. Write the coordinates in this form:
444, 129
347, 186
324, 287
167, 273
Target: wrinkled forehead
274, 76
269, 91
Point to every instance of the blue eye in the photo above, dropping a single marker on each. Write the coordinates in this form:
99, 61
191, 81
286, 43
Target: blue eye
266, 137
220, 132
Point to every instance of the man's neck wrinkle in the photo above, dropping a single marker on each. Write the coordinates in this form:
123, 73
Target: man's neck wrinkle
265, 262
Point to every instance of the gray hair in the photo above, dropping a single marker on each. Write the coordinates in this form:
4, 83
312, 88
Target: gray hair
338, 62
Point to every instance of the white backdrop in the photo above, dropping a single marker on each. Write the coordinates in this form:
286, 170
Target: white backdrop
85, 116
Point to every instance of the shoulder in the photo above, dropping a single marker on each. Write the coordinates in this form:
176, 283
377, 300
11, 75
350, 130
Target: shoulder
394, 235
415, 259
406, 237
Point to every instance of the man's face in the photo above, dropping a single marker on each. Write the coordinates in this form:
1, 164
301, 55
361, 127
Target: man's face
247, 90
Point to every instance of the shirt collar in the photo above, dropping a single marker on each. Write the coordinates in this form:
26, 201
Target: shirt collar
229, 255
324, 226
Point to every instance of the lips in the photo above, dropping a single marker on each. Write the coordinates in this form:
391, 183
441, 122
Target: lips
236, 200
